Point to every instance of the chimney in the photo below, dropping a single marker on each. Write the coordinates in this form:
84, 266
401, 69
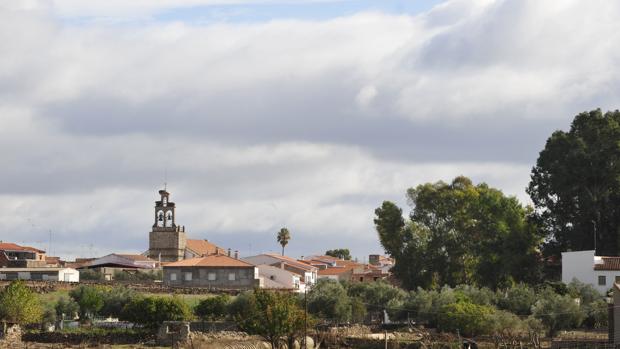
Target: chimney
229, 252
236, 254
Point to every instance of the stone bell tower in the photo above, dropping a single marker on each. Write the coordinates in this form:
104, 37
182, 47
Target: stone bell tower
166, 240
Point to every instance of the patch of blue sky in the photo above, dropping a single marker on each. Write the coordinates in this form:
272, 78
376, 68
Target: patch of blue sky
301, 10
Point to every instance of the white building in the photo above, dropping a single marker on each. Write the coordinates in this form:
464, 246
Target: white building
598, 271
303, 269
43, 274
274, 277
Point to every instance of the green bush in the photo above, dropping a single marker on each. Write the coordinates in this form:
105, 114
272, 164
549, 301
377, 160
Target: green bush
213, 308
329, 300
480, 296
518, 299
115, 299
358, 310
376, 295
138, 276
91, 275
89, 299
19, 304
557, 312
153, 311
68, 307
466, 317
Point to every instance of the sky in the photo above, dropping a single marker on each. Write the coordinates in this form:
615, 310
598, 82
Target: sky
260, 114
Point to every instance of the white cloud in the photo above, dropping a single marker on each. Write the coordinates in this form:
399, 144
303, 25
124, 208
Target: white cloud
305, 123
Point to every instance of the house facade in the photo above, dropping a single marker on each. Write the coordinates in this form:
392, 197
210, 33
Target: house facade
278, 278
599, 271
307, 272
16, 256
214, 271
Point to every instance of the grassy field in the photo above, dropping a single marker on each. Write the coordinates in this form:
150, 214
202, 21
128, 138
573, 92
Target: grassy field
50, 299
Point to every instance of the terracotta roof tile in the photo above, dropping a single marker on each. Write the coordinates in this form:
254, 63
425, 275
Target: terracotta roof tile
291, 261
609, 263
7, 246
210, 261
203, 247
334, 271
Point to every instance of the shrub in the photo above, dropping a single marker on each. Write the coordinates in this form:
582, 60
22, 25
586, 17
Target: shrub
376, 295
329, 300
213, 308
358, 310
557, 312
480, 296
518, 299
138, 276
91, 275
89, 299
153, 311
67, 307
115, 299
466, 317
19, 304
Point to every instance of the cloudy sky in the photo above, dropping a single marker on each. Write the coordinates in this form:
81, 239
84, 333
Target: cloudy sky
268, 113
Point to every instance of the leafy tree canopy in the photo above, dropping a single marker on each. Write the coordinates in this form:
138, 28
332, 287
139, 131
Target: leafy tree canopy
19, 304
342, 253
575, 185
460, 233
272, 315
328, 299
213, 308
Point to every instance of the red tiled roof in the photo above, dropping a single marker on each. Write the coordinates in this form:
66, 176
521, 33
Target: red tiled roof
334, 271
609, 263
213, 260
203, 247
291, 261
7, 246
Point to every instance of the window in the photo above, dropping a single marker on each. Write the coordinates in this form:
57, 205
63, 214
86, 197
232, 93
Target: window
602, 280
618, 278
211, 276
188, 276
231, 276
173, 276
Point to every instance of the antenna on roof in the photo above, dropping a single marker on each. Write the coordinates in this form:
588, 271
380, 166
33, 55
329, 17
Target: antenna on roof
166, 178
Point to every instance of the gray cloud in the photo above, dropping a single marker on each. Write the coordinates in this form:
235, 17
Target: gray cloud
308, 124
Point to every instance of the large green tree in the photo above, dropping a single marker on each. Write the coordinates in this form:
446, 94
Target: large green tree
342, 253
575, 185
460, 233
328, 300
272, 315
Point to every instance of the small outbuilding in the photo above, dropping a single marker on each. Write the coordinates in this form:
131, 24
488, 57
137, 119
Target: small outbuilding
42, 274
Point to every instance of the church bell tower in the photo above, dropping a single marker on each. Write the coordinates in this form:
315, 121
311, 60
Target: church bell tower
167, 240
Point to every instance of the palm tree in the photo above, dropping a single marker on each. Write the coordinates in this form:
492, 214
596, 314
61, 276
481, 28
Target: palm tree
283, 237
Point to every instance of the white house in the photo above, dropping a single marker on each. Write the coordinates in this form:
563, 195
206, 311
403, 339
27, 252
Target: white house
274, 277
43, 274
598, 271
303, 269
